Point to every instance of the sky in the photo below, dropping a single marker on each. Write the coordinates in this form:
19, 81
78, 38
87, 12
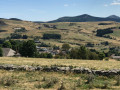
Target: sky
46, 10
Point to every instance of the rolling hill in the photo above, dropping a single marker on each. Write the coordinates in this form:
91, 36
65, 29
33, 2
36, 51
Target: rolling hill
74, 33
87, 18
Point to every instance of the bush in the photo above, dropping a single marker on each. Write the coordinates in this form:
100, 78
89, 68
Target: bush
38, 85
62, 87
79, 82
50, 82
118, 80
106, 59
7, 81
101, 32
51, 36
1, 52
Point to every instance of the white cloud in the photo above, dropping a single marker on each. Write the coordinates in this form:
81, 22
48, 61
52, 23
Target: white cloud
115, 2
66, 5
106, 5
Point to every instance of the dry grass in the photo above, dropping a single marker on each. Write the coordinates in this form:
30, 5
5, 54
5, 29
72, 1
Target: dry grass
34, 81
95, 64
73, 34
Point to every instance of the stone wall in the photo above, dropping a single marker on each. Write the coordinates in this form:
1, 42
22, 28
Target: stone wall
64, 69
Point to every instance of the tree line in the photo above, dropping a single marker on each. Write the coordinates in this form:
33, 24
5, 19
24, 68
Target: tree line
28, 49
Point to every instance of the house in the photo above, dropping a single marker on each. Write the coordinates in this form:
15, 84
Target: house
8, 52
115, 57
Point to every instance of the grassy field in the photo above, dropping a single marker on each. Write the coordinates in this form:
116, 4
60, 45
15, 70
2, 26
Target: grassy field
15, 80
95, 64
75, 34
25, 80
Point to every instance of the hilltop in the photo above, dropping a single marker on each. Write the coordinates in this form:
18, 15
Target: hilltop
74, 33
87, 18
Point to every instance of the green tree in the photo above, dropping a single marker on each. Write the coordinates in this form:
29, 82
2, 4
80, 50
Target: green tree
1, 52
49, 55
28, 49
82, 53
101, 56
66, 47
15, 45
7, 44
92, 56
73, 53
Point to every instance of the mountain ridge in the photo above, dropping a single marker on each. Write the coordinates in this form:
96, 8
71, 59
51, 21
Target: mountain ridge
86, 18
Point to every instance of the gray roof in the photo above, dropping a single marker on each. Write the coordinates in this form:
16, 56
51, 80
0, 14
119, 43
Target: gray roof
116, 57
8, 52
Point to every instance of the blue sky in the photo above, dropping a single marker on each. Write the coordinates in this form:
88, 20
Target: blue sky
46, 10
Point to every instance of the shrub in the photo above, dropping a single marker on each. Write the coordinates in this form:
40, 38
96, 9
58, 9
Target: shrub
79, 82
62, 87
90, 79
118, 80
38, 85
7, 81
106, 59
106, 85
51, 36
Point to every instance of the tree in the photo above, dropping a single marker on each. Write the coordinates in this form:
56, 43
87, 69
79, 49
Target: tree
28, 49
7, 44
51, 36
66, 47
1, 52
82, 53
25, 37
92, 56
101, 56
73, 54
49, 55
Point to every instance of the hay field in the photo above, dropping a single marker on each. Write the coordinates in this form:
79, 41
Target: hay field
95, 64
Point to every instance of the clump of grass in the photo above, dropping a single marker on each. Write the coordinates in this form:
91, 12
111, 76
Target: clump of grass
79, 82
43, 78
118, 80
38, 85
50, 83
106, 85
90, 78
73, 87
62, 87
7, 80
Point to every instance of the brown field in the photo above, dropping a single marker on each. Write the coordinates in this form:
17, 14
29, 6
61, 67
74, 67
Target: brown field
95, 64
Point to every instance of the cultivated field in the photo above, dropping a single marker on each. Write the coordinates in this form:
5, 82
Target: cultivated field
95, 64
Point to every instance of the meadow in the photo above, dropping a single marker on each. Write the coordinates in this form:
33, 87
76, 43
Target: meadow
38, 80
95, 64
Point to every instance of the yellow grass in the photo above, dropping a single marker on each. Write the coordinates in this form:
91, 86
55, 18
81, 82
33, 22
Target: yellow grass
95, 64
80, 33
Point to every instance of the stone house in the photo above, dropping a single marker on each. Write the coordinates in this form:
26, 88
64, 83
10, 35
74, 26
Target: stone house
115, 57
8, 52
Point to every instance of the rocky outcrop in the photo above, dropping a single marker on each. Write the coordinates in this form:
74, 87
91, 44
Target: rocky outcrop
77, 70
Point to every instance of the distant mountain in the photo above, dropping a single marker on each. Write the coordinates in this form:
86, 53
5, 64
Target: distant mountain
87, 18
15, 19
38, 22
114, 17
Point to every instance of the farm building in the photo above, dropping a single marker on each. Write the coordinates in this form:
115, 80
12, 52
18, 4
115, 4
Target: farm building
8, 52
115, 57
